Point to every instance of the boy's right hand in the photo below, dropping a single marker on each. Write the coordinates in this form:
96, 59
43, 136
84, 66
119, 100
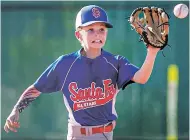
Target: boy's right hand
12, 121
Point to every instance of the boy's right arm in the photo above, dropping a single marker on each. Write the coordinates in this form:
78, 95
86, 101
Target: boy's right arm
28, 96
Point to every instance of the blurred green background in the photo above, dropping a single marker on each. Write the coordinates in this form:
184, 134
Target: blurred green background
34, 34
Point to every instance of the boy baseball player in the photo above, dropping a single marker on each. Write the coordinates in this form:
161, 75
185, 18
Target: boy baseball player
89, 80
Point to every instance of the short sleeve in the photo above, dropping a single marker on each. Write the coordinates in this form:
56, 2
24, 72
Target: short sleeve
49, 80
126, 71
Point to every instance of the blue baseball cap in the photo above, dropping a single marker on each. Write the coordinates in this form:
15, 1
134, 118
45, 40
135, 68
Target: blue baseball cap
92, 14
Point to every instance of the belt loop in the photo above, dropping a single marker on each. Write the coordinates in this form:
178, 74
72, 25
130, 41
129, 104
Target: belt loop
88, 131
104, 128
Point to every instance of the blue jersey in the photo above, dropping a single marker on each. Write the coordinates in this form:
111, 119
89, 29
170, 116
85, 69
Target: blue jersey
89, 86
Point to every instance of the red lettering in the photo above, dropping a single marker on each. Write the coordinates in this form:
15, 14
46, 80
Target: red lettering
72, 88
98, 93
92, 96
87, 94
112, 89
81, 94
106, 87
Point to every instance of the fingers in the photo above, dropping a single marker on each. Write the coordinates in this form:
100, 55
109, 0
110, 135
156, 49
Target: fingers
165, 19
13, 124
164, 25
155, 16
148, 16
136, 23
16, 124
9, 125
158, 19
6, 128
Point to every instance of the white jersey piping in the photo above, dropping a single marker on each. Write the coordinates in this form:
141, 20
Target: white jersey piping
111, 64
68, 73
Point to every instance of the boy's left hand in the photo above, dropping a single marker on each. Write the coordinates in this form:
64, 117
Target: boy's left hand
153, 27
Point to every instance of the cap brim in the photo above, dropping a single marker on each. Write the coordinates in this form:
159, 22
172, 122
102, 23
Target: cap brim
108, 25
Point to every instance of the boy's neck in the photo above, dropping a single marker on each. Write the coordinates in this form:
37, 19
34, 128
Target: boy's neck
91, 53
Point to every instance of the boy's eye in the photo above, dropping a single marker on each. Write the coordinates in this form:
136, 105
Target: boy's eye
90, 30
102, 30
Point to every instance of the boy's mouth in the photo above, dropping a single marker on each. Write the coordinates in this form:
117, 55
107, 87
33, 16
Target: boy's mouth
97, 41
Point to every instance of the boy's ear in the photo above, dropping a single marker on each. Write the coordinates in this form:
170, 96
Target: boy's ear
78, 35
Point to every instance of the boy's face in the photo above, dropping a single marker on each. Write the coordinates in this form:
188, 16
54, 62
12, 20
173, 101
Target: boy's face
93, 36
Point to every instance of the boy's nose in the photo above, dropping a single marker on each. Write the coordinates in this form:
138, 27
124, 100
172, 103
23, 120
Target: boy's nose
97, 33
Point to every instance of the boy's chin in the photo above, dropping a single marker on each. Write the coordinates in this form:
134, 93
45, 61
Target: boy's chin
97, 46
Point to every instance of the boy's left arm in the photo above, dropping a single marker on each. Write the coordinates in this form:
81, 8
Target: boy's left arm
143, 74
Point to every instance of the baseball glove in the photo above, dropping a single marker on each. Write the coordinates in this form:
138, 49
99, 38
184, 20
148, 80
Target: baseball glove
153, 27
